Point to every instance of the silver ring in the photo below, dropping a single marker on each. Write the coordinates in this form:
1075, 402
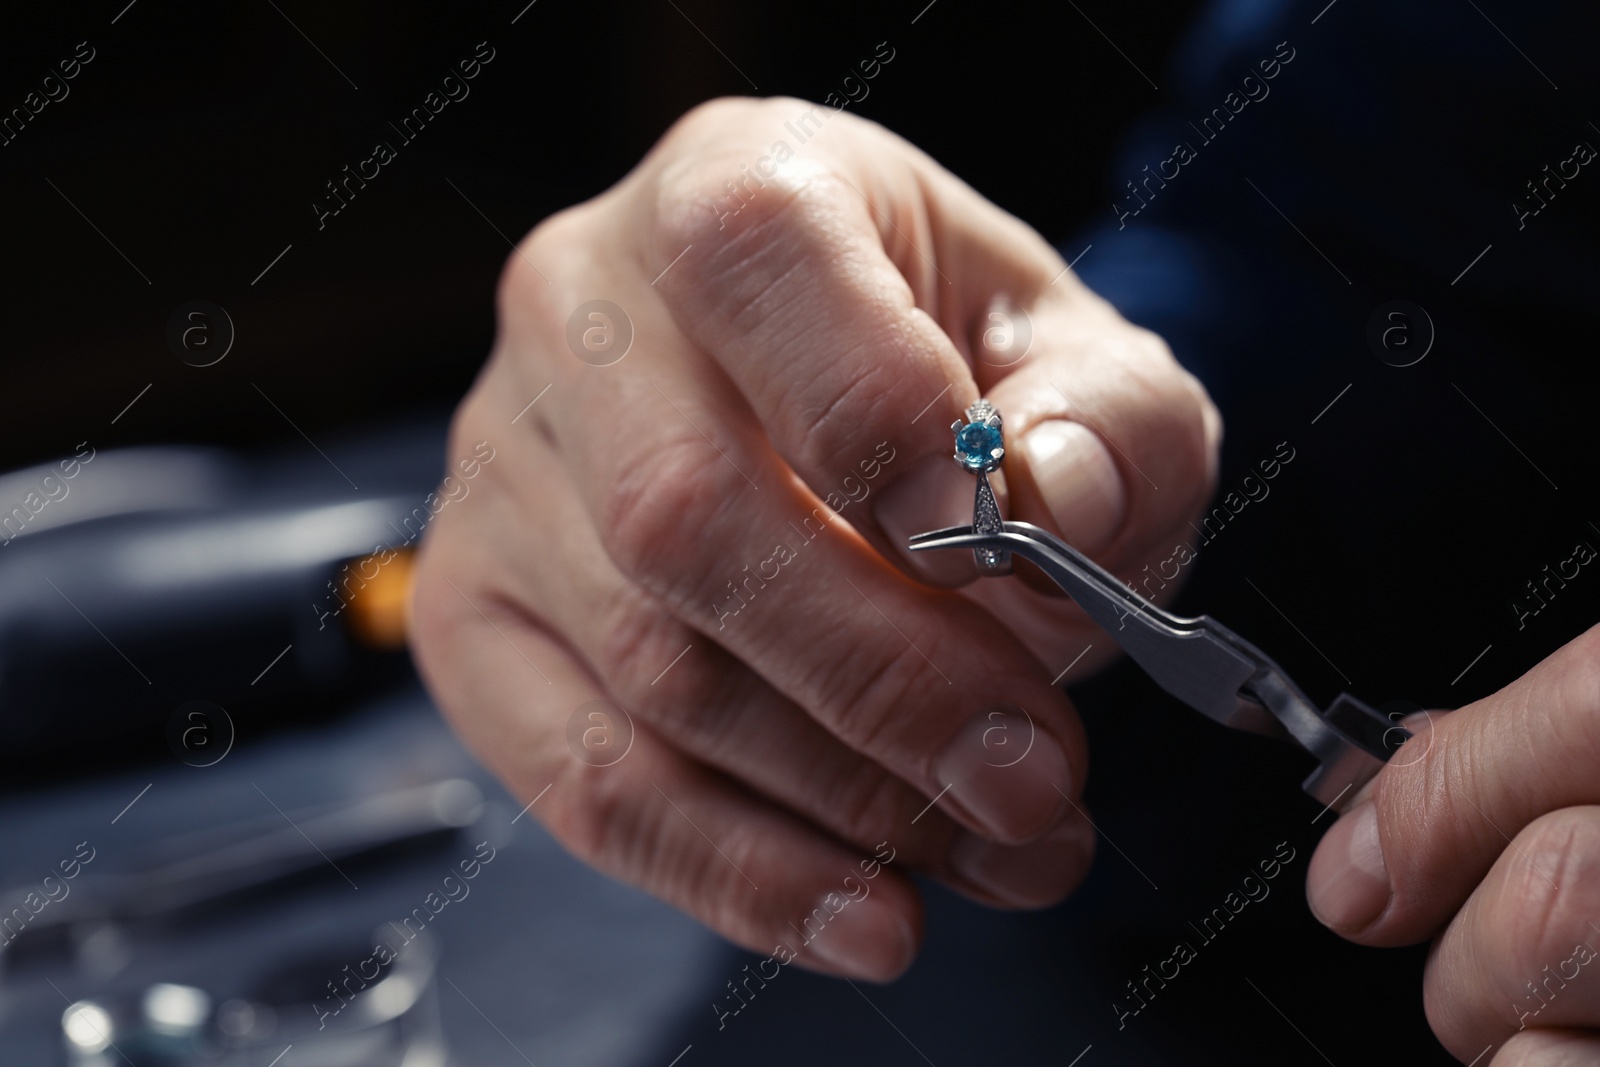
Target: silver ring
980, 448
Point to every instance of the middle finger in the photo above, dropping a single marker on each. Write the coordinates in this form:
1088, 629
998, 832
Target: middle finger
1522, 952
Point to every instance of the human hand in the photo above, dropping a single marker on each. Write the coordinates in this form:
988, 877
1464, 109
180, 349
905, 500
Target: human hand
710, 533
1483, 834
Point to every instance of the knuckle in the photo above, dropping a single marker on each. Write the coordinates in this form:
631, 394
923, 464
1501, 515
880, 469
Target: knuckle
871, 805
688, 203
714, 117
644, 525
861, 392
643, 838
714, 886
694, 704
715, 111
598, 818
700, 711
534, 302
1551, 887
863, 698
734, 202
635, 634
519, 279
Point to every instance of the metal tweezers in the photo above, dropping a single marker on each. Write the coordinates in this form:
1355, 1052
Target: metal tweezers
1203, 663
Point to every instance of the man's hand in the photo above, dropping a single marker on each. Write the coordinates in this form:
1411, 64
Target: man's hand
710, 533
1483, 833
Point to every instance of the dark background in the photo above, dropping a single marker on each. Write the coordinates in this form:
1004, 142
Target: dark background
1396, 541
200, 134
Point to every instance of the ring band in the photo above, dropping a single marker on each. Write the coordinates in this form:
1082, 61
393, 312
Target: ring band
980, 448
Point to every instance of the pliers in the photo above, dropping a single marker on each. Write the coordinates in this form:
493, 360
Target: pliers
1203, 663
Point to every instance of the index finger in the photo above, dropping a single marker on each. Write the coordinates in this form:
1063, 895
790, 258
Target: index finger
820, 287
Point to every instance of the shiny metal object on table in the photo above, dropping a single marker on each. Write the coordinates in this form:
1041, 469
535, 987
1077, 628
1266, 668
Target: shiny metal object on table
395, 1023
1203, 663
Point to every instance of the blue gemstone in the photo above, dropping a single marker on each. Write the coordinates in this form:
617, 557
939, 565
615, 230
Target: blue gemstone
975, 445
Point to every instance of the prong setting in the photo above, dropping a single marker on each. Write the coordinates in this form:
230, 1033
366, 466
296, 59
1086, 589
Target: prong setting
980, 449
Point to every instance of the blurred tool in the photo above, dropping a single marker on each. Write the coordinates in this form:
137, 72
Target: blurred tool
393, 1023
393, 1020
251, 857
154, 576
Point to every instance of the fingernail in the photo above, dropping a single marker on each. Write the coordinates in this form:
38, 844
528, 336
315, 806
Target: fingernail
932, 494
1348, 884
867, 938
1034, 875
1008, 774
1078, 480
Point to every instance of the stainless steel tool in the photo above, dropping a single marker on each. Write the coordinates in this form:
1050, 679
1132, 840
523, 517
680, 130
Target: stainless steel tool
1203, 663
